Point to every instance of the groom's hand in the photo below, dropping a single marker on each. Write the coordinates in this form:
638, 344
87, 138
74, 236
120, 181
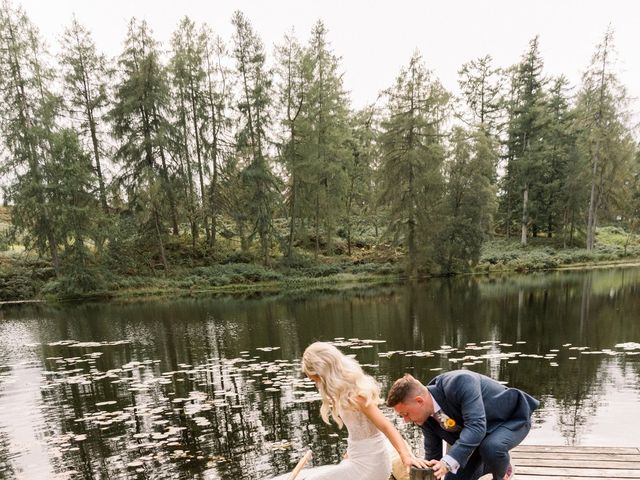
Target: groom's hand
439, 468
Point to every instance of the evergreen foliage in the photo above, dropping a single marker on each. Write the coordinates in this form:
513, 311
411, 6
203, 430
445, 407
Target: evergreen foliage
195, 156
412, 156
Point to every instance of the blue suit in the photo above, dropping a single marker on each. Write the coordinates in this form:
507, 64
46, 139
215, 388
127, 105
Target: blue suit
493, 420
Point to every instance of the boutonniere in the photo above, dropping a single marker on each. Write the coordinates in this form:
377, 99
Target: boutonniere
446, 422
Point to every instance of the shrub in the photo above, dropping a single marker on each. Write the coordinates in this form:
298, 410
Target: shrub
254, 273
321, 271
239, 257
16, 286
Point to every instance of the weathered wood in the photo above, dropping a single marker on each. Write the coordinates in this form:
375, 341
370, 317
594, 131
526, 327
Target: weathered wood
548, 462
565, 448
616, 457
561, 462
519, 476
581, 472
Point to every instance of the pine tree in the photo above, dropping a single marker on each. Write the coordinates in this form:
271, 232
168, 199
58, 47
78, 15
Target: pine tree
327, 151
412, 155
217, 92
294, 74
188, 73
140, 125
559, 145
481, 86
525, 131
604, 137
85, 74
469, 199
251, 143
28, 113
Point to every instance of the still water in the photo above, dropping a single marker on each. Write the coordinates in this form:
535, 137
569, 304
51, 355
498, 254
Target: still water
211, 388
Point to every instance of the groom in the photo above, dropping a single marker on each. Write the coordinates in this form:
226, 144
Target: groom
480, 418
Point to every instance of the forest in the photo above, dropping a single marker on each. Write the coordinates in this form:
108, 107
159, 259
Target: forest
215, 159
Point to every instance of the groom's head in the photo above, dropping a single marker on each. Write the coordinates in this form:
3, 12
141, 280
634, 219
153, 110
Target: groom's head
410, 399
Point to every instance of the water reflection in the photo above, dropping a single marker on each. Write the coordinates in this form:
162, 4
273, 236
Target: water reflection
211, 388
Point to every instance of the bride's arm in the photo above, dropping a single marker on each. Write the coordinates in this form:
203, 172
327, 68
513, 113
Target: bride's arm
383, 424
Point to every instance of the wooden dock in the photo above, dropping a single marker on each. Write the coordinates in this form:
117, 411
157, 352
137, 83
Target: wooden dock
533, 462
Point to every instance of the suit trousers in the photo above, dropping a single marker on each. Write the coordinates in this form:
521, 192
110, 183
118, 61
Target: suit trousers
492, 455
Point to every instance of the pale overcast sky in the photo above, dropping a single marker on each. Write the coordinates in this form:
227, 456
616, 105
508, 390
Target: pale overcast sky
375, 38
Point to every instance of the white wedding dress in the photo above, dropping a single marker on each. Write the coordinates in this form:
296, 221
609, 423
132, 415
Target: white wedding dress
368, 455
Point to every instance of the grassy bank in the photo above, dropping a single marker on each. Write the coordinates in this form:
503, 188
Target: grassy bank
613, 246
250, 279
24, 277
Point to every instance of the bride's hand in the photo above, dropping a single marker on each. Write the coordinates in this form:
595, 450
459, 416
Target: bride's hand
411, 460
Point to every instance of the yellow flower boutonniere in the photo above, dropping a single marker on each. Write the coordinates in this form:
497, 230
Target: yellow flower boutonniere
450, 423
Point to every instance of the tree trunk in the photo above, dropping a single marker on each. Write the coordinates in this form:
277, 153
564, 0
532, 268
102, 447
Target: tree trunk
592, 206
196, 134
214, 181
156, 219
525, 215
292, 214
170, 193
191, 193
317, 225
30, 143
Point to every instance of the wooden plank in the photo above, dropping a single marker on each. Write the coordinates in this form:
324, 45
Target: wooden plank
563, 462
569, 449
565, 472
519, 476
527, 457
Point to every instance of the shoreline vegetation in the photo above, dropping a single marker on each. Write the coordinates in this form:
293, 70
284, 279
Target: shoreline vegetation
211, 165
157, 287
26, 279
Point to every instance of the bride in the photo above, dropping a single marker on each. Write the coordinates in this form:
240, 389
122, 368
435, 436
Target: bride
350, 397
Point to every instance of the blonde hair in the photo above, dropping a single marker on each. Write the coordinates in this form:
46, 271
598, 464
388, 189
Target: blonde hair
341, 380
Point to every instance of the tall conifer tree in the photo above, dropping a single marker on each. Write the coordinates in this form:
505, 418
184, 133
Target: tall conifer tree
253, 107
604, 137
140, 126
85, 74
28, 119
412, 155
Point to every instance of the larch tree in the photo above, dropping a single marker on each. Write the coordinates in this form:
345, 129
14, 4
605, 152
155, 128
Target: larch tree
294, 78
360, 171
469, 200
525, 133
328, 153
412, 156
71, 190
86, 75
28, 113
140, 127
481, 88
216, 126
187, 69
558, 161
602, 109
258, 180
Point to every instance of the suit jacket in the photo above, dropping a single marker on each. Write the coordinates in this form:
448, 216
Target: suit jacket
479, 405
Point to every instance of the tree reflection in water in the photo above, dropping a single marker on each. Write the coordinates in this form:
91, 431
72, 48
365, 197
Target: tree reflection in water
212, 388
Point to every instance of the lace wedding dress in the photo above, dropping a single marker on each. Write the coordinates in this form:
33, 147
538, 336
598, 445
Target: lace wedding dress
368, 456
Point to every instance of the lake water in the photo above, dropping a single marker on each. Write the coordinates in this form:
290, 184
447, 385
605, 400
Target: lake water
211, 388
